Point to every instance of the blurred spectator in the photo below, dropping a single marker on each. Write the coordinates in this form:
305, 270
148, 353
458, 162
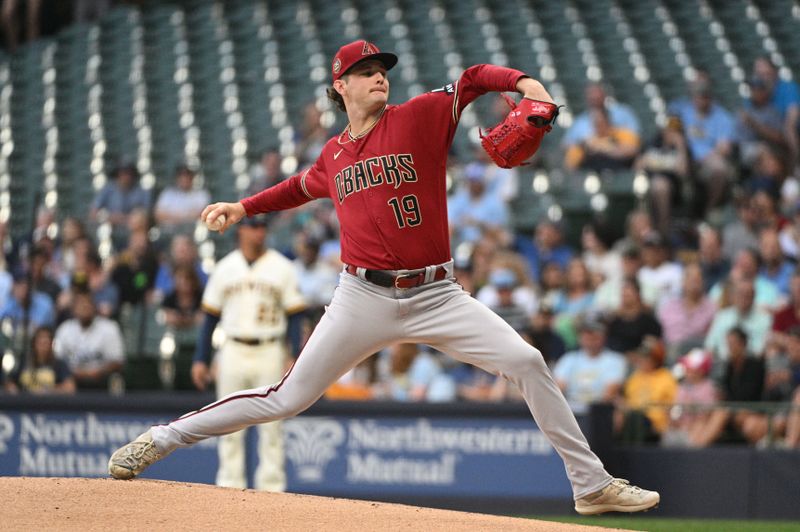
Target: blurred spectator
267, 173
710, 133
768, 214
473, 211
774, 267
666, 163
90, 275
543, 336
135, 269
747, 267
782, 364
686, 318
408, 373
593, 373
608, 147
182, 203
90, 344
72, 231
743, 232
695, 391
182, 305
759, 123
648, 392
504, 282
658, 277
602, 261
632, 322
637, 226
785, 96
793, 423
743, 314
89, 10
552, 282
546, 246
608, 295
789, 316
313, 135
355, 385
790, 234
12, 24
41, 312
509, 269
40, 277
743, 381
183, 254
577, 298
317, 278
47, 375
715, 267
120, 197
502, 183
619, 115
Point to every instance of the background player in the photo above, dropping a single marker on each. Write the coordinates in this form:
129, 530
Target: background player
250, 293
386, 176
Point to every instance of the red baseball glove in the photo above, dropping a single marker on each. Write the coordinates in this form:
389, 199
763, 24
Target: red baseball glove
511, 142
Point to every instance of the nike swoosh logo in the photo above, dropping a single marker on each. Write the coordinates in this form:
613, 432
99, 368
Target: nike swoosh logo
336, 155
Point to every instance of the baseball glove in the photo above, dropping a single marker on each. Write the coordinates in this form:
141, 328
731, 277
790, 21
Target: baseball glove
511, 142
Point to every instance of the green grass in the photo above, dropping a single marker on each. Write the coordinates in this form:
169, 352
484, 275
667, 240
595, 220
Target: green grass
655, 524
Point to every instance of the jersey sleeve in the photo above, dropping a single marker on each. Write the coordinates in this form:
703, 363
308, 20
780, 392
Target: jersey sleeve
441, 109
301, 188
212, 295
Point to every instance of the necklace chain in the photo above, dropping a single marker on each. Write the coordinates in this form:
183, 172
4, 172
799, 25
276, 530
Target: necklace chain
351, 138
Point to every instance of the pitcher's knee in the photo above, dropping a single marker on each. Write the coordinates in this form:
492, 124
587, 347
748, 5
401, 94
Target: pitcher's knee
527, 359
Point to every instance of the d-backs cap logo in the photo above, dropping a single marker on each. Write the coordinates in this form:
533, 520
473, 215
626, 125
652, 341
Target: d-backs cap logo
337, 65
368, 49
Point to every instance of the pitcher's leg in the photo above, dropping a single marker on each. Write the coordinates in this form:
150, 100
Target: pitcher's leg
469, 331
341, 340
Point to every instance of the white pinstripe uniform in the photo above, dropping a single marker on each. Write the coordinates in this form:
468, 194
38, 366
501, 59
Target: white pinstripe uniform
253, 301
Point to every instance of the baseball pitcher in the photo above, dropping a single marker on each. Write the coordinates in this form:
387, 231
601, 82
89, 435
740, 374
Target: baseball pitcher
385, 173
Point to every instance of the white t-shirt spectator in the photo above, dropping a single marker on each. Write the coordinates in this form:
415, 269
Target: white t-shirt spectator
89, 348
181, 202
658, 284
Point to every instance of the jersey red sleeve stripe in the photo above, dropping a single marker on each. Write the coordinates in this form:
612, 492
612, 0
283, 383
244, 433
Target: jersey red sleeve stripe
480, 79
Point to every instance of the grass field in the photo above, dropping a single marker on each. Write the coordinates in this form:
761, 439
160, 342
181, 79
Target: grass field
655, 524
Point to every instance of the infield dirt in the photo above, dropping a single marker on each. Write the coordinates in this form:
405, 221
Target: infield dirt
104, 504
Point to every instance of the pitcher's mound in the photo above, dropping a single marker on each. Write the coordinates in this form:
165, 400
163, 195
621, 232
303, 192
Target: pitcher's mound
104, 504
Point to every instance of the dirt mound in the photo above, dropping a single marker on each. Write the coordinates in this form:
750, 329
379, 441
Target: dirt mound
104, 504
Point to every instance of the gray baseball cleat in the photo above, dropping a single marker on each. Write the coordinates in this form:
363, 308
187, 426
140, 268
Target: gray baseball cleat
134, 457
619, 496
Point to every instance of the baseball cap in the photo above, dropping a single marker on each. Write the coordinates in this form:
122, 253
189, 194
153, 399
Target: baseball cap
475, 172
653, 239
503, 278
696, 359
591, 323
258, 220
357, 51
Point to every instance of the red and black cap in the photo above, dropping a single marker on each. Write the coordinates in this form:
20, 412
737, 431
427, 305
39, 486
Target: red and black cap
355, 52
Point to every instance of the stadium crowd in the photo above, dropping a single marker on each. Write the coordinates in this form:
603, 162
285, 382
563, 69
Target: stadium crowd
695, 301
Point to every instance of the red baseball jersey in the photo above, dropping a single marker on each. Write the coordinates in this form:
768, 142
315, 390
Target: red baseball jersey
389, 185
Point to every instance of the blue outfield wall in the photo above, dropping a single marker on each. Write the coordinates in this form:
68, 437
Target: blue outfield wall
477, 457
447, 453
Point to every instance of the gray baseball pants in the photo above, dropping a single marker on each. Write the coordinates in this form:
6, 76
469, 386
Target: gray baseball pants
362, 319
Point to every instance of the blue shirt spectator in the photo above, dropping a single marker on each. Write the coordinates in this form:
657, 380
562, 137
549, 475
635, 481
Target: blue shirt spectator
473, 210
704, 132
121, 196
546, 246
619, 115
42, 310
